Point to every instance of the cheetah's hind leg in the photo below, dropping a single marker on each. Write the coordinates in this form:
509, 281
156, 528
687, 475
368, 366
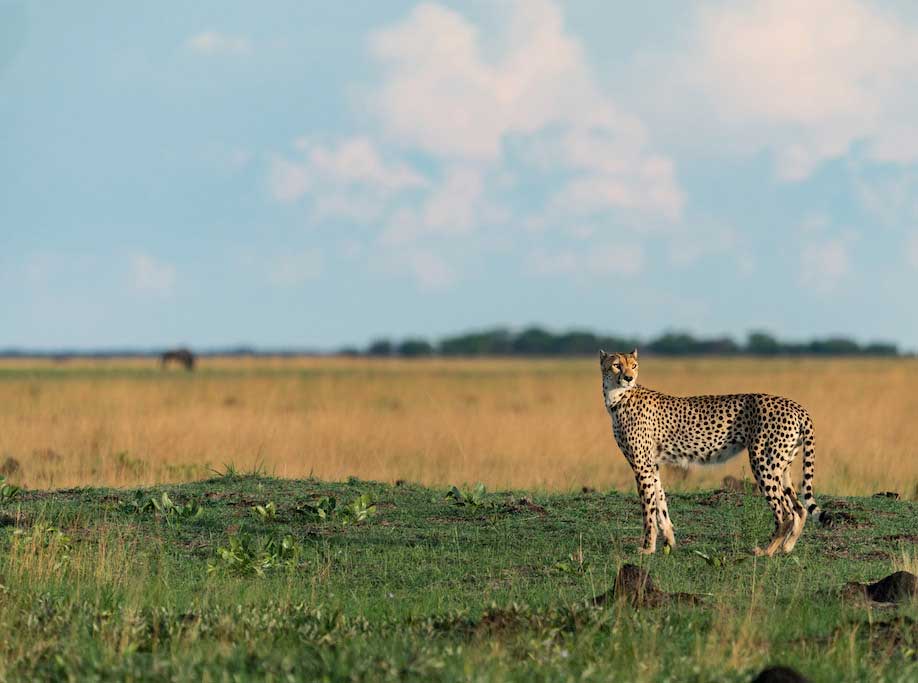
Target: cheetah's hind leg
770, 484
792, 507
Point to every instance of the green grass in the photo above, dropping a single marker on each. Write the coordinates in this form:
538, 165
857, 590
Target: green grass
99, 585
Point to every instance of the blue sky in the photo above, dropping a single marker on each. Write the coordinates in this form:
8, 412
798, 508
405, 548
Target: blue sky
319, 174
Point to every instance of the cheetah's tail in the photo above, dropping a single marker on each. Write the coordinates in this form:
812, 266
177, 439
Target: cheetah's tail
809, 468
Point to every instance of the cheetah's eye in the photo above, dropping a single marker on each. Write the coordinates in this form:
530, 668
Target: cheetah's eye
634, 366
616, 366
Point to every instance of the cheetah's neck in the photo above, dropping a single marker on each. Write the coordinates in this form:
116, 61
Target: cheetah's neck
617, 395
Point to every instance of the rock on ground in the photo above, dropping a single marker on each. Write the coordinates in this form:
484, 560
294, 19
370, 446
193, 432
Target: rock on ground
898, 587
779, 674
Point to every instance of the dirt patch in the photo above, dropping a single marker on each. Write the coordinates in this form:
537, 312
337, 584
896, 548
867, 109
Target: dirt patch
524, 505
244, 502
634, 586
907, 538
493, 622
887, 494
837, 504
779, 674
836, 518
58, 495
897, 587
496, 621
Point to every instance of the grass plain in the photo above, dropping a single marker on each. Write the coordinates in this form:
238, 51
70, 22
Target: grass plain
97, 583
520, 423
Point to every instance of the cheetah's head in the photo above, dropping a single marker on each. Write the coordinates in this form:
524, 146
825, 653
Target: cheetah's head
619, 370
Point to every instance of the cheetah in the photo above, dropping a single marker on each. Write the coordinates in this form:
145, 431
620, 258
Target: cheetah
652, 428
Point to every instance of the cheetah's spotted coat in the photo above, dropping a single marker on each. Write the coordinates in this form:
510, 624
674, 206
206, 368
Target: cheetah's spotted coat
651, 428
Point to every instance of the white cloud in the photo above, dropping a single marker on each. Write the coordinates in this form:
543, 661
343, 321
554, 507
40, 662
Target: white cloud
336, 172
357, 161
293, 269
439, 94
650, 185
805, 79
215, 43
150, 275
453, 207
475, 118
602, 260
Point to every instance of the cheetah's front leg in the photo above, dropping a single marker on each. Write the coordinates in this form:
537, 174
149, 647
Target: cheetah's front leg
663, 520
647, 492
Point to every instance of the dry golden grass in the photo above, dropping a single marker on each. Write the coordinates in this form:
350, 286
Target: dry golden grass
519, 423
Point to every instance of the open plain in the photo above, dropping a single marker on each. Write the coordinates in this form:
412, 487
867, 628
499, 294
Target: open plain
318, 519
507, 423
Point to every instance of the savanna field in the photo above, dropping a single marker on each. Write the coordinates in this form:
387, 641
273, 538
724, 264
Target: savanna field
295, 519
536, 424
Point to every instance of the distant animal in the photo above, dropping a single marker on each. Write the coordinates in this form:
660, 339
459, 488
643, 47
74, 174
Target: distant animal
183, 357
652, 428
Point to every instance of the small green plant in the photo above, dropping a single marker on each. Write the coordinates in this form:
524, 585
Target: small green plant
265, 513
721, 561
576, 562
244, 555
8, 492
358, 510
164, 506
474, 497
230, 471
327, 509
321, 509
190, 510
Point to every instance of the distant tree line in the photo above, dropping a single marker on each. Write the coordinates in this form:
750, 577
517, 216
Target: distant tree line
532, 341
536, 341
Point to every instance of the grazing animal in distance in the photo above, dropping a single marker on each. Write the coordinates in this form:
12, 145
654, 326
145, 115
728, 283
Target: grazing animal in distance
181, 356
652, 428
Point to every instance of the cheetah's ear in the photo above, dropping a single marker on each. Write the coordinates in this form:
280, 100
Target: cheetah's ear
634, 353
602, 355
